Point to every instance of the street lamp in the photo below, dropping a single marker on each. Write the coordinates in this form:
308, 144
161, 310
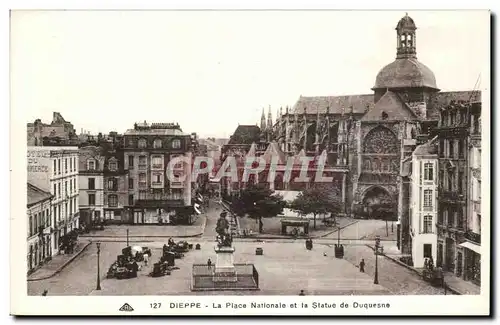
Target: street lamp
377, 244
98, 269
127, 237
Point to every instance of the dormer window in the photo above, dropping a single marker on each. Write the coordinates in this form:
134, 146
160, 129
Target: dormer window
176, 144
91, 164
112, 165
157, 144
142, 143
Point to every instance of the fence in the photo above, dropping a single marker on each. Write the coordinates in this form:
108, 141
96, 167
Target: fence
247, 278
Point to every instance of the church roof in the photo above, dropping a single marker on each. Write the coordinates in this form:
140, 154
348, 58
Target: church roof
336, 104
245, 134
405, 73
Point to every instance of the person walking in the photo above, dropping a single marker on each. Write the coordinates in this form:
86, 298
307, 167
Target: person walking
302, 293
146, 259
362, 265
209, 263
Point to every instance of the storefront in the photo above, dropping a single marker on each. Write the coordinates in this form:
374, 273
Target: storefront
472, 262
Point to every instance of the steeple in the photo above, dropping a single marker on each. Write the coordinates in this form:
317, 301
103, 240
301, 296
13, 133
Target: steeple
269, 119
263, 121
406, 42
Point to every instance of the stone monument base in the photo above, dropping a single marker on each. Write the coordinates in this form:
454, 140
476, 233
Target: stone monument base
224, 265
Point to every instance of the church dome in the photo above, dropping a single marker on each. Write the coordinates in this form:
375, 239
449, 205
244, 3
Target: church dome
405, 73
406, 23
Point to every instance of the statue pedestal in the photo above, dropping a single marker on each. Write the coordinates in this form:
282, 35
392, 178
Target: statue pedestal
224, 265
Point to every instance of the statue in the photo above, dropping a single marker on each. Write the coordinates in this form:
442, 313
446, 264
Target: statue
224, 238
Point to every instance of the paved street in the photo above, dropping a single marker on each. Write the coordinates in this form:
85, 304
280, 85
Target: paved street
285, 268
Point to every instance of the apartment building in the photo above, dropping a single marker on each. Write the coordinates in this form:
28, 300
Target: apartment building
152, 197
91, 184
55, 170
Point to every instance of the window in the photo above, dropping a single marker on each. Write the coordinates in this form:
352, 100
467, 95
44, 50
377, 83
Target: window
157, 162
74, 163
91, 199
65, 165
31, 226
71, 164
92, 183
176, 144
113, 200
91, 164
55, 167
112, 165
142, 143
131, 183
460, 182
451, 149
157, 195
428, 198
158, 178
428, 171
142, 162
59, 189
479, 189
66, 187
157, 144
142, 180
131, 199
55, 190
461, 148
59, 166
130, 162
451, 217
142, 195
112, 184
450, 180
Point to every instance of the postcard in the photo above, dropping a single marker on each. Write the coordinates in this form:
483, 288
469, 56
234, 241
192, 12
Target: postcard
240, 162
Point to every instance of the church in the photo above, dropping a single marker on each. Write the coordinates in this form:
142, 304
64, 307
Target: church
366, 137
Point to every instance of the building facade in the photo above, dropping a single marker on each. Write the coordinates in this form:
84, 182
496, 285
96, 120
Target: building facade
39, 217
472, 242
116, 185
459, 177
91, 184
55, 170
152, 197
423, 203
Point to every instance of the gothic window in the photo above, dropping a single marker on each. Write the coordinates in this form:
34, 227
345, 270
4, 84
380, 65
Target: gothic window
367, 164
381, 140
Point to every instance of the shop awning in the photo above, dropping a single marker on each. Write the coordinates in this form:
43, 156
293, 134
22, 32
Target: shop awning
473, 247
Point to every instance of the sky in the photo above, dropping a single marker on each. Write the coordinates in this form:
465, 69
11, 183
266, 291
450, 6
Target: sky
212, 70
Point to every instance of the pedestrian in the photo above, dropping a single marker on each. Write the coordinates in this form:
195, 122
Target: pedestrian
362, 265
426, 263
302, 293
146, 258
45, 292
209, 263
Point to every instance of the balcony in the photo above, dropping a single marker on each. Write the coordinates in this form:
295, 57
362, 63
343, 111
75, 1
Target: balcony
177, 184
157, 184
159, 203
157, 166
473, 237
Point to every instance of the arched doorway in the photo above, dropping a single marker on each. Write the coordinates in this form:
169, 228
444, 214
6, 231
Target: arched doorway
378, 204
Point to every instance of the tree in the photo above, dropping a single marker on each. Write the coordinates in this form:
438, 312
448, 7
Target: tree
316, 200
258, 202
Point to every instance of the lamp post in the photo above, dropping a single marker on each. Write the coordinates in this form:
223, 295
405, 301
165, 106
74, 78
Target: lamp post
127, 237
377, 244
98, 269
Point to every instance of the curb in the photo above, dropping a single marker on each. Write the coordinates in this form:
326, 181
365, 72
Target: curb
410, 268
62, 266
203, 225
